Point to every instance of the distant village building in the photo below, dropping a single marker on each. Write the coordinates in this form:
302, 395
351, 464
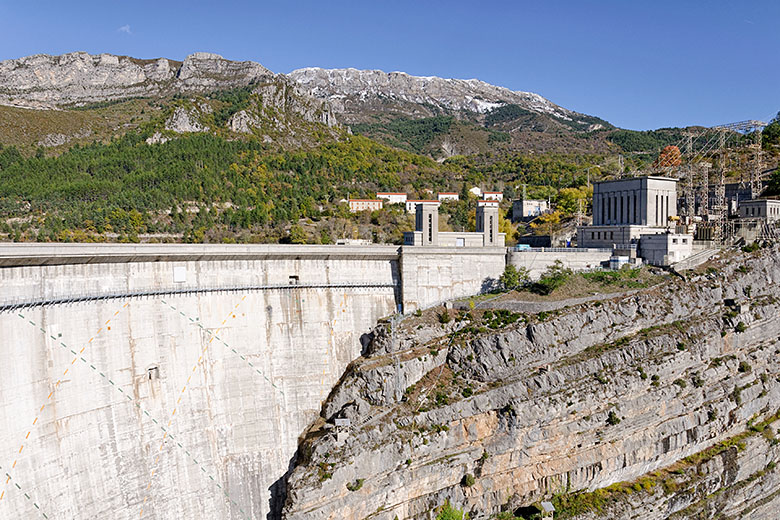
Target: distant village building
487, 203
392, 197
493, 195
523, 209
356, 205
448, 195
764, 209
411, 205
476, 191
426, 229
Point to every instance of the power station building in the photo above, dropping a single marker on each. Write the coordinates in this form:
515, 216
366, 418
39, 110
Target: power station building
626, 209
426, 229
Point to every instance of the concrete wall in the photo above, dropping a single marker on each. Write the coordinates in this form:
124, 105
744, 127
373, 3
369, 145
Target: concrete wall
172, 406
537, 262
93, 450
432, 275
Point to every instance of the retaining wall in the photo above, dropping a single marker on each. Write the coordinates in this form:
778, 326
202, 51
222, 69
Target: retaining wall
536, 262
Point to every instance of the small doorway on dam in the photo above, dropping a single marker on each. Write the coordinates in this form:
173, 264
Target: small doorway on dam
153, 373
295, 279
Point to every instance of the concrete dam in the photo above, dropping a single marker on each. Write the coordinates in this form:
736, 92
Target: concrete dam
173, 381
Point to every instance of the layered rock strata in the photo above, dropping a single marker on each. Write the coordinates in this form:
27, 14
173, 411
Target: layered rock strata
560, 404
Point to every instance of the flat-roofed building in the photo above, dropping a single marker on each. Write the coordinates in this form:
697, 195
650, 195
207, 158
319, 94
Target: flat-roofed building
357, 205
664, 249
392, 197
765, 209
528, 208
625, 209
493, 195
493, 203
411, 205
448, 195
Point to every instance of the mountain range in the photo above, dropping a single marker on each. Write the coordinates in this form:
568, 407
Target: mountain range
429, 115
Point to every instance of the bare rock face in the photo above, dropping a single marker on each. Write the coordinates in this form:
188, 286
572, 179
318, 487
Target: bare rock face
242, 122
673, 389
184, 120
44, 81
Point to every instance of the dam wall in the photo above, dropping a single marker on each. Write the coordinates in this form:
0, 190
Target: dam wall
181, 406
173, 381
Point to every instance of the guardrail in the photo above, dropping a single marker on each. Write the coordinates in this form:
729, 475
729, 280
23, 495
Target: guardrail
69, 300
563, 250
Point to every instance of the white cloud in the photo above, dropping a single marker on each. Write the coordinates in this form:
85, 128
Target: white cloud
125, 29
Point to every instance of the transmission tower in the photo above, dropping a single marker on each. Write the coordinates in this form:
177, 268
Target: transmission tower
689, 196
721, 208
746, 127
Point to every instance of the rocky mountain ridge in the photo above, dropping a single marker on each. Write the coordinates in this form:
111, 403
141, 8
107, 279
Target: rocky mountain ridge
659, 404
43, 81
348, 88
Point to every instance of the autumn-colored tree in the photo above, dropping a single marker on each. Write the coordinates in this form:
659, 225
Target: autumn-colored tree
547, 224
669, 157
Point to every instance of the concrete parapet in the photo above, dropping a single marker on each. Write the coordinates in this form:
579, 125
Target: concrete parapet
60, 254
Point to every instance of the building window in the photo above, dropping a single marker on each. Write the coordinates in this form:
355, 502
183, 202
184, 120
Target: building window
460, 242
656, 209
611, 235
430, 228
685, 240
674, 241
491, 229
592, 235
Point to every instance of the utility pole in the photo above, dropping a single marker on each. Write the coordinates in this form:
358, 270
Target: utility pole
620, 166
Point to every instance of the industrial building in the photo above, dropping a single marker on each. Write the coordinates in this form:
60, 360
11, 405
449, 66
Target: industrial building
625, 209
426, 229
637, 215
764, 209
524, 209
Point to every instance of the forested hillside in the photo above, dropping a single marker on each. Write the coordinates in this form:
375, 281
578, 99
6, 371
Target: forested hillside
202, 187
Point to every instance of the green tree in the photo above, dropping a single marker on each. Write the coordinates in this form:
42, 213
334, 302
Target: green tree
553, 278
297, 235
513, 277
447, 512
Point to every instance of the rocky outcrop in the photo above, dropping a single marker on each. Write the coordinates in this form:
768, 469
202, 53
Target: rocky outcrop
183, 120
44, 81
561, 403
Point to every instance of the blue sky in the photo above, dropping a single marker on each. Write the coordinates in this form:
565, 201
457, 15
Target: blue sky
638, 64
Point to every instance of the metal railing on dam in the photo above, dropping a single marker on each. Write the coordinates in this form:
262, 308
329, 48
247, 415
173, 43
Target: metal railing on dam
44, 302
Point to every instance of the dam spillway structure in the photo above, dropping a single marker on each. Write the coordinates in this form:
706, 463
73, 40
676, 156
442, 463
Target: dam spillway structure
173, 381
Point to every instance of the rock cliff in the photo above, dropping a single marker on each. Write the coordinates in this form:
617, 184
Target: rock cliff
44, 81
657, 404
